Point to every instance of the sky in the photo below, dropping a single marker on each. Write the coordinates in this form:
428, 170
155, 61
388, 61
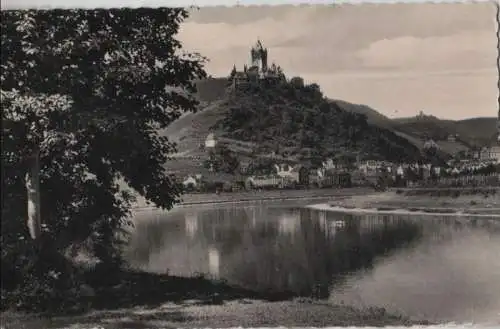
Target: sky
397, 58
166, 3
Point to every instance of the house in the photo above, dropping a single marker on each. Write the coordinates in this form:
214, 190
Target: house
210, 141
244, 167
495, 153
190, 182
368, 166
452, 138
264, 181
285, 170
430, 144
328, 164
490, 153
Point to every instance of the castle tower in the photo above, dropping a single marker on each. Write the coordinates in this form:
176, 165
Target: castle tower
263, 56
258, 57
254, 57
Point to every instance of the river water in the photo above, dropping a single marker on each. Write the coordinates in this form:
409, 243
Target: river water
440, 268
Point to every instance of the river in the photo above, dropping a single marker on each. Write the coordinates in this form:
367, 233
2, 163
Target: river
439, 268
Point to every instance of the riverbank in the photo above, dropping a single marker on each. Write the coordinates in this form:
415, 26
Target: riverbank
241, 313
250, 196
130, 299
474, 201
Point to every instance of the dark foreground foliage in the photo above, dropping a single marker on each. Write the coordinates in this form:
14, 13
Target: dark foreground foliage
86, 89
106, 289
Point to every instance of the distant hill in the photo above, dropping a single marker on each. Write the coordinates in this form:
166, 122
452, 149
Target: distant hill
373, 116
471, 132
479, 130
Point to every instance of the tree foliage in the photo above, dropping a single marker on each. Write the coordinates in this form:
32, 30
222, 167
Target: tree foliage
222, 160
90, 89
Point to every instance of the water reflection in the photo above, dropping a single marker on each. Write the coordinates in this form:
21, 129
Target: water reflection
263, 248
442, 268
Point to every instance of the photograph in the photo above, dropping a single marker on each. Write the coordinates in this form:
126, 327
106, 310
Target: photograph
250, 166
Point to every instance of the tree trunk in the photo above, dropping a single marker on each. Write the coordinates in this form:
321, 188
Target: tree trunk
33, 190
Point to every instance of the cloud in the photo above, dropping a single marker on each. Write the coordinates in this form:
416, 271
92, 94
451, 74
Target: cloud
466, 50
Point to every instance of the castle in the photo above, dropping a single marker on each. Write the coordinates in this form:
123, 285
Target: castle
258, 71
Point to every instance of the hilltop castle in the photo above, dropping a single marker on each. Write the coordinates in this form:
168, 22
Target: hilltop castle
258, 71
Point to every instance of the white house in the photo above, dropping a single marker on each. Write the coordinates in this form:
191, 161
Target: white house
190, 181
329, 164
495, 153
490, 153
400, 171
210, 141
369, 166
287, 171
431, 144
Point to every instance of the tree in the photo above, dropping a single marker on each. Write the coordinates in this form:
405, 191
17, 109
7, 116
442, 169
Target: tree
30, 117
222, 160
88, 91
297, 82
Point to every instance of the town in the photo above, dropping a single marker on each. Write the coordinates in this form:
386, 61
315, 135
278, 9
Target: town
234, 165
476, 169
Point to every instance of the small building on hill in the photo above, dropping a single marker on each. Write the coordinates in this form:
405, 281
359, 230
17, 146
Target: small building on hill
210, 141
431, 144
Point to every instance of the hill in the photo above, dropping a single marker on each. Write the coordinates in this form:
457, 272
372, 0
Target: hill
373, 116
300, 123
214, 88
478, 130
470, 132
296, 121
292, 122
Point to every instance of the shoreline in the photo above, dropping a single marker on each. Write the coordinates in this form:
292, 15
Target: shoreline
478, 202
414, 211
257, 196
299, 312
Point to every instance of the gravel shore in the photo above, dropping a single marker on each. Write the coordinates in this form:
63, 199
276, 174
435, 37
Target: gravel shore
467, 201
